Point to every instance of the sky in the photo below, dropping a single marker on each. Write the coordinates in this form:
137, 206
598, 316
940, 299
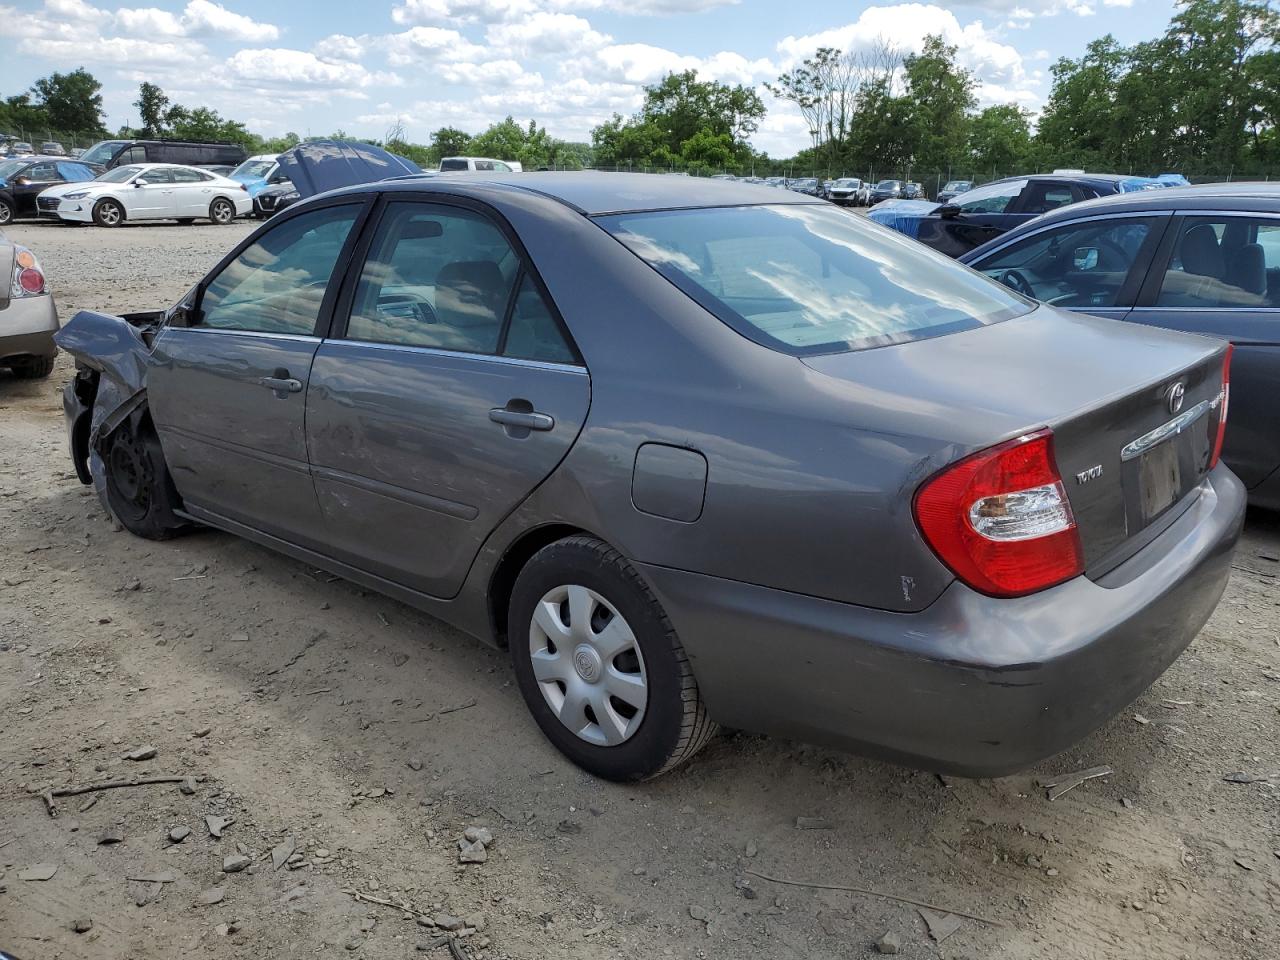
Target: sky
315, 67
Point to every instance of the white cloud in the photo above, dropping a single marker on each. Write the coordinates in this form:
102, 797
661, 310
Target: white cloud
432, 45
642, 7
642, 63
268, 67
112, 50
461, 11
339, 46
200, 18
543, 34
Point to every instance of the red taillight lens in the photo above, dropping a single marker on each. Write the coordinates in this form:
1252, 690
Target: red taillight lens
31, 280
1225, 398
1000, 518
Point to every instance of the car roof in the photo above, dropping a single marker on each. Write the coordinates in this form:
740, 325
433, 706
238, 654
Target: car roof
594, 194
1209, 196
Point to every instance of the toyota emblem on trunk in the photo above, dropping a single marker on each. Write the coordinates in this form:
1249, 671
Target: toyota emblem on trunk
1176, 393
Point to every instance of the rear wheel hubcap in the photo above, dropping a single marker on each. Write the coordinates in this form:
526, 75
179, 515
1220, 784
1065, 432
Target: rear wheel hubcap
588, 665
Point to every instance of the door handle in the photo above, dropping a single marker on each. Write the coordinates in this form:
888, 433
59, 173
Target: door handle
281, 384
531, 420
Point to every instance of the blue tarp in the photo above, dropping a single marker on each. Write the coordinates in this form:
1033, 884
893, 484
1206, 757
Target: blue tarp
902, 215
321, 165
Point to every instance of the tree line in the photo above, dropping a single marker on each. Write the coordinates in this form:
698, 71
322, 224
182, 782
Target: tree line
1203, 99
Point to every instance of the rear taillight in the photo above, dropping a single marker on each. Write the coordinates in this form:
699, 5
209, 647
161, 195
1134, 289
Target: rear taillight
1224, 398
28, 278
1000, 518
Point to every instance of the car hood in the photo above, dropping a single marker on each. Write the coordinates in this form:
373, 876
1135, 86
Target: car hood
321, 165
62, 189
903, 215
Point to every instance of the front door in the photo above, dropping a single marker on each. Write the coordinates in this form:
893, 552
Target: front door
150, 196
449, 394
27, 186
228, 391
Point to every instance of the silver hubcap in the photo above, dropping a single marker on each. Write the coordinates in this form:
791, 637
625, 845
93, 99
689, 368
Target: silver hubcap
588, 665
109, 213
221, 212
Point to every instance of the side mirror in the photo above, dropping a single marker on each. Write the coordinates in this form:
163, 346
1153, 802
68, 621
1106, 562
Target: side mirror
1085, 258
138, 183
184, 315
948, 211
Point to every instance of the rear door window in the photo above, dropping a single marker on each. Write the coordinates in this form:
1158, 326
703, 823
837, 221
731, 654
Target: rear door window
809, 278
1223, 263
436, 276
1041, 196
993, 198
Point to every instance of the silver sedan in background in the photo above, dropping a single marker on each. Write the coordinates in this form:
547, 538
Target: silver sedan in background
28, 318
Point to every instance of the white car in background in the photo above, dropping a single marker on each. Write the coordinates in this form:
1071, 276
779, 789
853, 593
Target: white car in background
147, 191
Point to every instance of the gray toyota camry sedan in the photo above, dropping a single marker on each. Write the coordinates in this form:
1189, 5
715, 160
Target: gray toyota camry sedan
698, 453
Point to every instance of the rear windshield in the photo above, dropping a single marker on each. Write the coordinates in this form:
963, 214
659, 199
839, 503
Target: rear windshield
807, 279
454, 165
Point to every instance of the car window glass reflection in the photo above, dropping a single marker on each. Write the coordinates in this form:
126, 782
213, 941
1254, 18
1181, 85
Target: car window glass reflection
808, 279
534, 333
278, 283
993, 198
436, 276
1228, 262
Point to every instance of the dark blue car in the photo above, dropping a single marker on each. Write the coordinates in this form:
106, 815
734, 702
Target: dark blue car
1199, 259
978, 215
23, 178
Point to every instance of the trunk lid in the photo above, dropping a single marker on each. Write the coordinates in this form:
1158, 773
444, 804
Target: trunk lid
1129, 461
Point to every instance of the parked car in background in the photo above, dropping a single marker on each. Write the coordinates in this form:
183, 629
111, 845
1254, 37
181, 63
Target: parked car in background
22, 179
1200, 259
75, 152
52, 148
886, 190
985, 212
20, 148
478, 165
660, 550
256, 174
848, 192
809, 186
28, 318
1173, 180
913, 191
191, 153
779, 182
953, 189
148, 191
275, 197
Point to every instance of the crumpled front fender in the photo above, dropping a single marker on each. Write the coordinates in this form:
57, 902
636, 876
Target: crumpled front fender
114, 354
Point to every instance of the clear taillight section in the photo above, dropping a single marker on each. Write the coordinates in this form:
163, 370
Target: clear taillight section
1000, 518
1225, 401
28, 278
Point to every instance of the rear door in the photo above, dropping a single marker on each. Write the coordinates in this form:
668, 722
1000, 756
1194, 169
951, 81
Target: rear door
449, 390
192, 192
228, 391
1219, 274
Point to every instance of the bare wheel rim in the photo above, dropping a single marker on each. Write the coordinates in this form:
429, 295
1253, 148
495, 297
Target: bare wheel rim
588, 665
5, 213
221, 211
109, 212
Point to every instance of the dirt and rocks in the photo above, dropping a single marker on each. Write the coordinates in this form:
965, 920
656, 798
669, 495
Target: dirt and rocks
349, 776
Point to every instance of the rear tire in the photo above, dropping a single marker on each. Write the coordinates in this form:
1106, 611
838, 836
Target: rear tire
222, 211
139, 488
32, 368
619, 677
108, 213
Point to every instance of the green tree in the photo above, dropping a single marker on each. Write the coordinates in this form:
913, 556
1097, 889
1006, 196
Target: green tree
71, 101
152, 106
939, 95
449, 142
1000, 139
1079, 118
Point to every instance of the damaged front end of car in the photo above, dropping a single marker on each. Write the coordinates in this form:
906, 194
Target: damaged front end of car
110, 386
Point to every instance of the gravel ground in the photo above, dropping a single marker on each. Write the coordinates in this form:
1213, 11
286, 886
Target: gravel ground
311, 712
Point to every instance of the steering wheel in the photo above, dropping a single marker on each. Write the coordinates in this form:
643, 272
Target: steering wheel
1017, 282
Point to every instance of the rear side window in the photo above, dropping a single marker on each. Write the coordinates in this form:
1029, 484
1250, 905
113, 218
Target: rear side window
436, 276
185, 175
1041, 197
534, 333
277, 284
808, 278
1224, 262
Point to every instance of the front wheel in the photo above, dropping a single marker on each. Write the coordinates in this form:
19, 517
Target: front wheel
600, 666
221, 211
108, 213
6, 212
139, 488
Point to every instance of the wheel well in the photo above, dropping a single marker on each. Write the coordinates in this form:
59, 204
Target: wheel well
518, 554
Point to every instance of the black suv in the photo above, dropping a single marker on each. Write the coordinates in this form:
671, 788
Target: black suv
190, 153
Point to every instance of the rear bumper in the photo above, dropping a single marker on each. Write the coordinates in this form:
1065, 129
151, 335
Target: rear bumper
972, 685
27, 327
